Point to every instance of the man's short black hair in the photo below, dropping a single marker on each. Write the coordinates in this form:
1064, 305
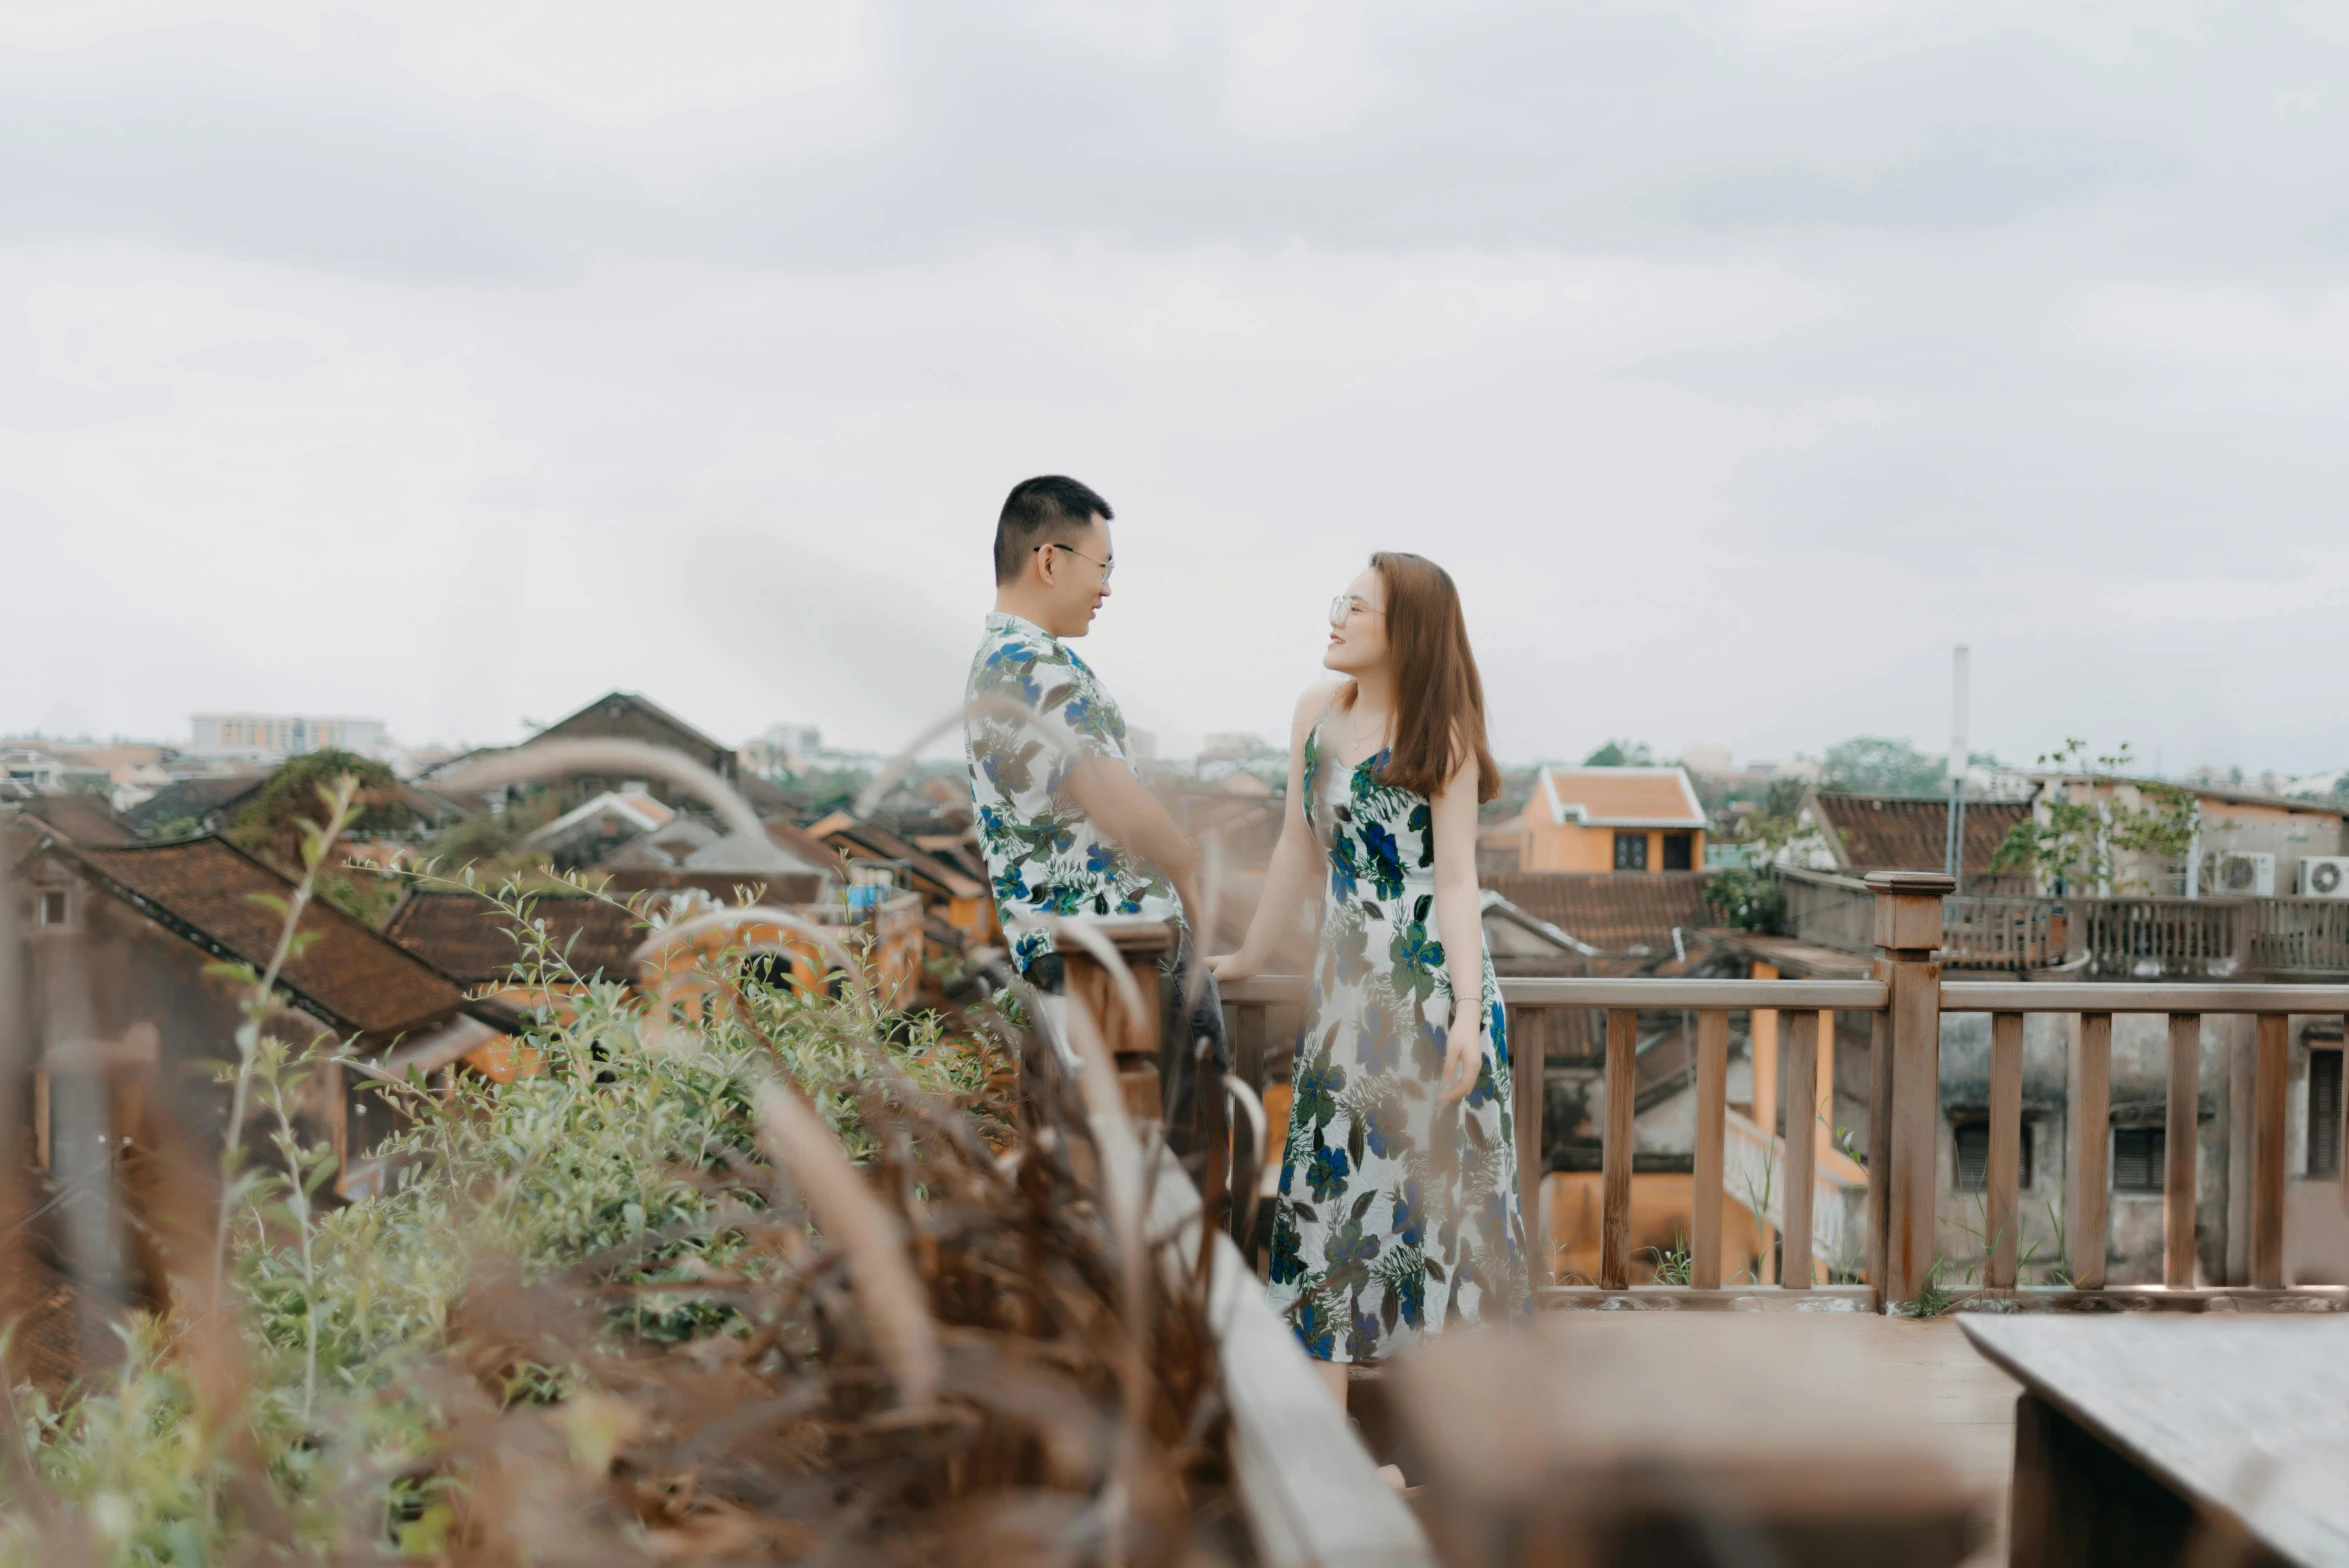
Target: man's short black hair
1048, 510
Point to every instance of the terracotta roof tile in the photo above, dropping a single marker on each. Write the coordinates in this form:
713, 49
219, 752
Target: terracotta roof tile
197, 798
1613, 910
86, 819
1893, 833
871, 839
1641, 797
350, 975
469, 938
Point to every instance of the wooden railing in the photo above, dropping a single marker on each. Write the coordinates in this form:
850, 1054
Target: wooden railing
1978, 932
2158, 938
1828, 910
1905, 1003
2298, 936
2019, 934
2123, 938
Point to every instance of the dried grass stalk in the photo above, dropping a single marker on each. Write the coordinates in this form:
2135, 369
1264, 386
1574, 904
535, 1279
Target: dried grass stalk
797, 1140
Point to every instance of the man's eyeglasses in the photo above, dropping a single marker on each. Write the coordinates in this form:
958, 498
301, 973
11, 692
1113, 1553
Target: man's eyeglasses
1107, 567
1345, 607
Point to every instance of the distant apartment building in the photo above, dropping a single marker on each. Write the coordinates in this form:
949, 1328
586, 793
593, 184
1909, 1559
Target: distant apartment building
783, 749
269, 736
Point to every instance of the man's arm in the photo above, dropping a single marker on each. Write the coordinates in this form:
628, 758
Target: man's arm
1109, 793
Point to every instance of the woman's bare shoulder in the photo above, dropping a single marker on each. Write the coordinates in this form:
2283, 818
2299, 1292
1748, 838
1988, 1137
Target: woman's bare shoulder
1318, 699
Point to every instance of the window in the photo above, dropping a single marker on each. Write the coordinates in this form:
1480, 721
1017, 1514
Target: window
2324, 1113
1680, 852
52, 908
1631, 851
2138, 1157
1973, 1157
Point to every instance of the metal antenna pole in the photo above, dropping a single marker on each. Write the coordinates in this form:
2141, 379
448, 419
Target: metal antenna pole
1954, 850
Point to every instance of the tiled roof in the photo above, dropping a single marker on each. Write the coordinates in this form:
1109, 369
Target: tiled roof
796, 840
350, 975
602, 716
1613, 910
196, 798
85, 819
1891, 833
468, 937
1621, 797
870, 839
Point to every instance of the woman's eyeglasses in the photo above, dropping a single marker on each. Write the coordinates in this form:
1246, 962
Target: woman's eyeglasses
1345, 607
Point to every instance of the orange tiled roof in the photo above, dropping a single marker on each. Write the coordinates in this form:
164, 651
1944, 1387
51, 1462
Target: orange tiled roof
350, 975
1621, 797
469, 938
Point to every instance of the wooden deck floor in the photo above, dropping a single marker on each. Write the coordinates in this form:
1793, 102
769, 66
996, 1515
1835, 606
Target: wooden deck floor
1965, 1404
1923, 1380
1972, 1405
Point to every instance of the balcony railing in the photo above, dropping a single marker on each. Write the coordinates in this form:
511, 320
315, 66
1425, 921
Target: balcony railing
2294, 937
2121, 938
1905, 1004
2157, 938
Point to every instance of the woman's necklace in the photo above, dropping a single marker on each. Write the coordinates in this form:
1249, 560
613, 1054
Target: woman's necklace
1355, 737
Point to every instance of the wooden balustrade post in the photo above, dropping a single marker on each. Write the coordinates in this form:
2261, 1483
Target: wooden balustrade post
2178, 1144
1615, 1149
1908, 931
2271, 1063
1712, 1105
2003, 1182
1526, 1068
1879, 1144
1248, 1031
1132, 1041
1802, 1148
2091, 1152
1762, 1026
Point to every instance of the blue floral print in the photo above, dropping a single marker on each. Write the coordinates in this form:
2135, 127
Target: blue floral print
1043, 858
1386, 863
1327, 1177
1373, 1253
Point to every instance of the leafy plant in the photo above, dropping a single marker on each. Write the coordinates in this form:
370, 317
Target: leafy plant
276, 829
613, 1246
2075, 843
1747, 895
1672, 1263
1935, 1297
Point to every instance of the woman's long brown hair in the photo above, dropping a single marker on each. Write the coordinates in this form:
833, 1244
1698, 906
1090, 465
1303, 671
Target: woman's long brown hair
1439, 697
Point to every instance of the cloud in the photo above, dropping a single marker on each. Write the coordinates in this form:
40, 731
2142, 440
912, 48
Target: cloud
459, 362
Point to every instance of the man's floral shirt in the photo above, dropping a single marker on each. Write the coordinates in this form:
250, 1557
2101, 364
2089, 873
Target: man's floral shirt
1044, 855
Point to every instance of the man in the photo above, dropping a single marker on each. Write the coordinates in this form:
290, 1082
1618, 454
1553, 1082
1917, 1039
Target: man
1066, 826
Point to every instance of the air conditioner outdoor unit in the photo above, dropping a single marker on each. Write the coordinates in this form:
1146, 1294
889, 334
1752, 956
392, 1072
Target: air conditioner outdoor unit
2243, 873
2324, 876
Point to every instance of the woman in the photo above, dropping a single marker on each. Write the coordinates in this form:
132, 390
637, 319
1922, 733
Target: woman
1398, 1209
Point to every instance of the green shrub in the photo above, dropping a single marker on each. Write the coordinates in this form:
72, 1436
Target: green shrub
634, 1129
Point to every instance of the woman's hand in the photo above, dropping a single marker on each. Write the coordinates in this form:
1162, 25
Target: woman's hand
1463, 1055
1228, 967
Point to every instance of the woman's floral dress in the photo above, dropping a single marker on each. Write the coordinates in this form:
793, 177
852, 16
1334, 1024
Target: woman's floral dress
1397, 1215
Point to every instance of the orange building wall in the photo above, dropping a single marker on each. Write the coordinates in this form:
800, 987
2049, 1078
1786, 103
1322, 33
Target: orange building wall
1663, 1204
1569, 846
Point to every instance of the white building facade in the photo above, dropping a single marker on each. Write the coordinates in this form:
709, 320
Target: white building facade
266, 737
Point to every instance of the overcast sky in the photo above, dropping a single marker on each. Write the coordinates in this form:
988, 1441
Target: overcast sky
452, 363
